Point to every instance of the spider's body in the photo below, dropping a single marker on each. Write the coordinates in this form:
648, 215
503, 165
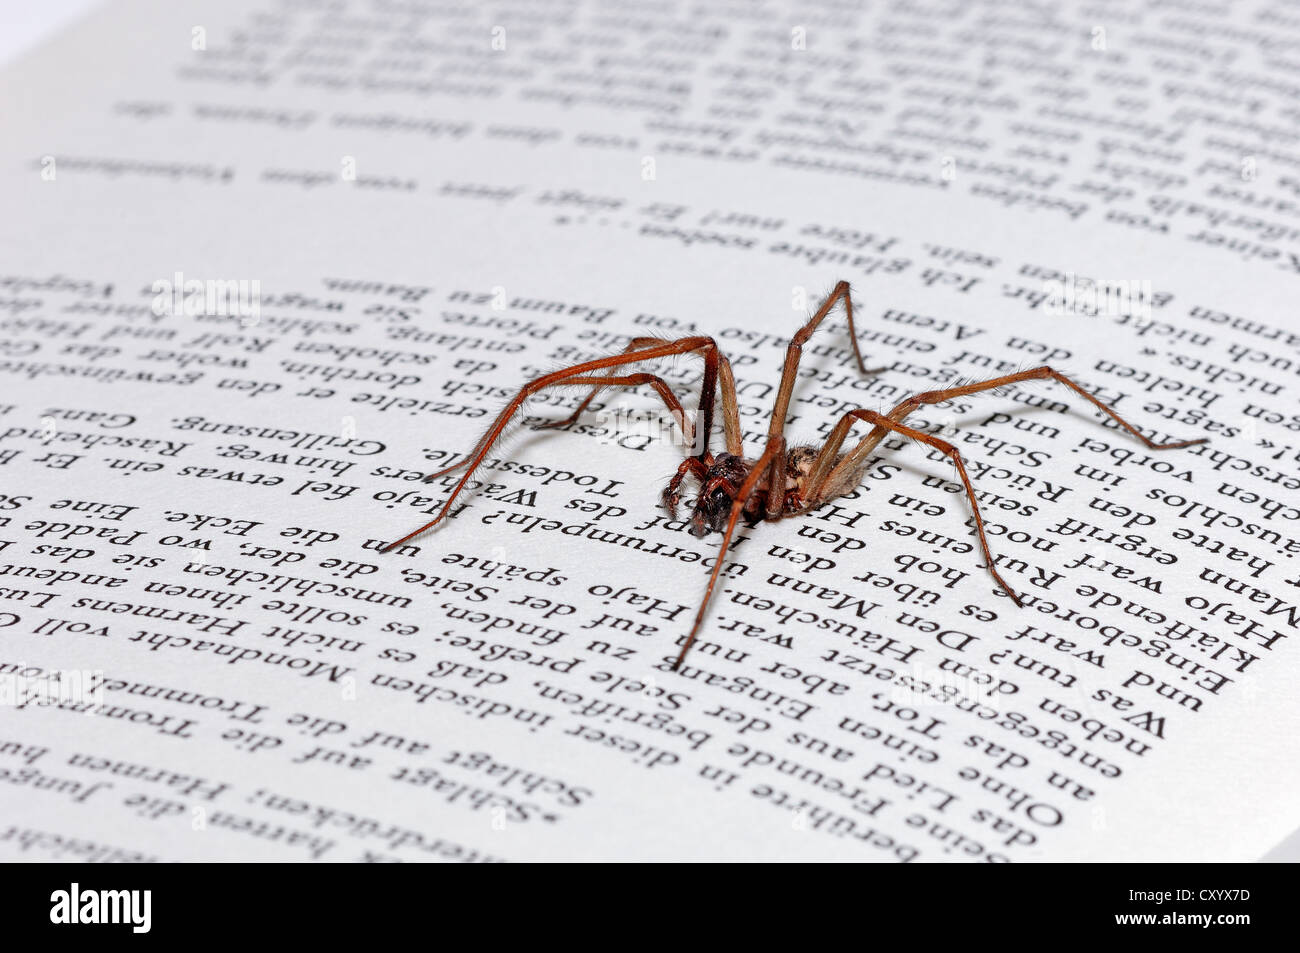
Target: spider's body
720, 479
781, 481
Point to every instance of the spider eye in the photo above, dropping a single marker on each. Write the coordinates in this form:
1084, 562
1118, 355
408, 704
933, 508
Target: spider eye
719, 498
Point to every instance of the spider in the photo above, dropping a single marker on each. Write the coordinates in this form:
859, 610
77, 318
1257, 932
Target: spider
783, 481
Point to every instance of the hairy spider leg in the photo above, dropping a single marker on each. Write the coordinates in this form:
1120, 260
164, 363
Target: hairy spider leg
570, 375
727, 393
774, 451
852, 462
832, 476
630, 380
661, 387
789, 374
884, 424
691, 465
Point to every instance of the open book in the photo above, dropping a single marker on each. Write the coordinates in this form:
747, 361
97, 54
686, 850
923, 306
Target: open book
265, 265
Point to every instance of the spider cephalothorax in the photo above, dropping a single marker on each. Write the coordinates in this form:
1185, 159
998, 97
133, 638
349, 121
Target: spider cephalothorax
780, 481
721, 477
720, 483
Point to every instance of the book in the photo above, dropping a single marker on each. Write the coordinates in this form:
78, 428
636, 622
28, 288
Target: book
268, 265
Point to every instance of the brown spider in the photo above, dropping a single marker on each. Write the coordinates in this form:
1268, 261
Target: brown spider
781, 482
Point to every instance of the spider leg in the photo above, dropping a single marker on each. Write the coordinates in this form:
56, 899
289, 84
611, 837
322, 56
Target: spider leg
579, 374
727, 392
727, 382
629, 380
732, 435
884, 424
634, 345
789, 374
451, 469
774, 451
660, 385
1034, 374
842, 471
670, 496
833, 475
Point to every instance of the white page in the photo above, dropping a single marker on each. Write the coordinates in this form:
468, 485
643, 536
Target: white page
234, 161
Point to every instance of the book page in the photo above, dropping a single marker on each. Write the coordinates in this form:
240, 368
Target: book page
267, 265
